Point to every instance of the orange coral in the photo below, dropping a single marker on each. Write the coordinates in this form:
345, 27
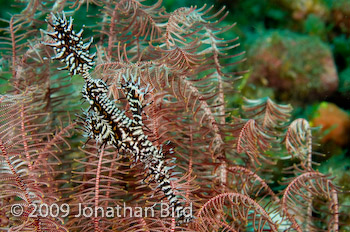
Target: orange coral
334, 121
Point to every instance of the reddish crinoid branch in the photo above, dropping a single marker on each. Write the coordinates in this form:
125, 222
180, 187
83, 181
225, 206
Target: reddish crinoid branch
242, 213
28, 159
308, 195
298, 141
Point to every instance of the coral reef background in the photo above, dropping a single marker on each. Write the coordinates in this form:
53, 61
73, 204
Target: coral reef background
298, 52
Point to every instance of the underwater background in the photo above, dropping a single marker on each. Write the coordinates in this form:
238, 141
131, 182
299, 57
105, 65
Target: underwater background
297, 53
